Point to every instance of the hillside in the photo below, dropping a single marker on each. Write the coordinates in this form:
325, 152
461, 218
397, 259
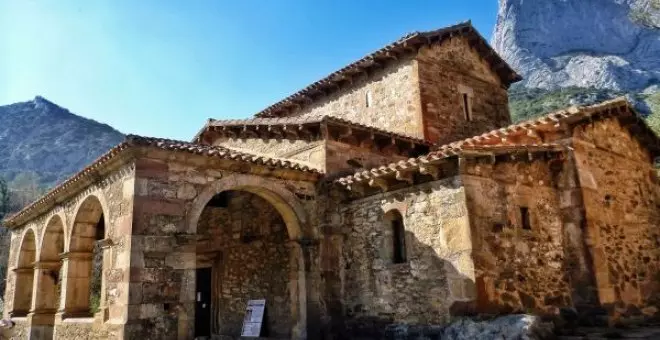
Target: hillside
577, 52
42, 143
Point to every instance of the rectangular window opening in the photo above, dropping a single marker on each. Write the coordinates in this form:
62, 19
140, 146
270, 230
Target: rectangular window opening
466, 107
399, 241
524, 218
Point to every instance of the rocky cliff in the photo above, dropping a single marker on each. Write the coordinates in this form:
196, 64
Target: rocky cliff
607, 44
43, 143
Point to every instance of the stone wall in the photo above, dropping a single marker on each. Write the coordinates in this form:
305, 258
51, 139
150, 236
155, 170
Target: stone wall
443, 70
394, 104
438, 275
517, 269
622, 201
309, 153
249, 245
171, 192
338, 154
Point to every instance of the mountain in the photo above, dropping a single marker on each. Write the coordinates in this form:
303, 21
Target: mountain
573, 52
44, 143
607, 44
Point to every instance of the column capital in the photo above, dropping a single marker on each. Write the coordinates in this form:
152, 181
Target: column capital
47, 264
23, 270
76, 255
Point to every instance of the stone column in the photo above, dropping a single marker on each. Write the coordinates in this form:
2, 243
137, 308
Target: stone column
106, 248
310, 251
44, 299
23, 285
74, 300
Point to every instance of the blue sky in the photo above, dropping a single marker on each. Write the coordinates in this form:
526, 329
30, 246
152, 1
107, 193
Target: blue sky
162, 67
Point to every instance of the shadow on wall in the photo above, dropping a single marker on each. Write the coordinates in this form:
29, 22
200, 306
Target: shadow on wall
410, 300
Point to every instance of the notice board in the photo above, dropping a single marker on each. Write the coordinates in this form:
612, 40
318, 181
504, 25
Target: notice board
254, 318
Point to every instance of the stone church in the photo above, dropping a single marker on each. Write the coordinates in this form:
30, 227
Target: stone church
395, 191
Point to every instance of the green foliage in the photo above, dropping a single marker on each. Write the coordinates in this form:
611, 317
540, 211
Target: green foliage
4, 199
531, 103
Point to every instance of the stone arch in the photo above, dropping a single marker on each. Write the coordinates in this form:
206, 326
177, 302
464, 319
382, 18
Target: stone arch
88, 210
48, 267
286, 203
295, 219
27, 255
81, 292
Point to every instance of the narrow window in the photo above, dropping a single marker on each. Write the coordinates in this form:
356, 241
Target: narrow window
399, 239
466, 94
367, 99
524, 217
466, 107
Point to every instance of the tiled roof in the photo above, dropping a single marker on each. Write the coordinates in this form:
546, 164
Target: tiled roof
304, 120
410, 41
495, 140
90, 173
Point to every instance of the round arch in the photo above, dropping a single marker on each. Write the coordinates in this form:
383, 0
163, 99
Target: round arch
24, 271
53, 239
88, 210
294, 216
287, 204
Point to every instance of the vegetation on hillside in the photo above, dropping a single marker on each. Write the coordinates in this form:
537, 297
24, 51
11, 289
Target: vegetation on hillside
527, 103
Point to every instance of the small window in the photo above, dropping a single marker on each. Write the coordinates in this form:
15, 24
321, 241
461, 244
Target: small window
466, 107
466, 101
398, 238
524, 218
367, 99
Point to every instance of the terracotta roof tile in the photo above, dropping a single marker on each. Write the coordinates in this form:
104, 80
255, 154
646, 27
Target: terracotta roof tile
90, 172
483, 142
411, 40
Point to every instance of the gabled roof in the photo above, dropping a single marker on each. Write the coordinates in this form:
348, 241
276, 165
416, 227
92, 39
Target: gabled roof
528, 136
91, 173
408, 43
303, 127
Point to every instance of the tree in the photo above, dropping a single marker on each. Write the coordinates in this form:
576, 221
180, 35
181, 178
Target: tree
4, 199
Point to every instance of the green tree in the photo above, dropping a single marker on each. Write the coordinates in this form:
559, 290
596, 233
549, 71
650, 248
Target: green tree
4, 199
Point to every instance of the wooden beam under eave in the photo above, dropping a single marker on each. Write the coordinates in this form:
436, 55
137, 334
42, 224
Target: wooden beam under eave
379, 183
405, 176
431, 170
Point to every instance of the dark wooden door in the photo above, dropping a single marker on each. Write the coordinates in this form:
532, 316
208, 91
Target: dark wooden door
203, 303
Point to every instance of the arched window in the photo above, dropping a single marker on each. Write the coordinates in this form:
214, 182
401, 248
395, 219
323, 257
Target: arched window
398, 232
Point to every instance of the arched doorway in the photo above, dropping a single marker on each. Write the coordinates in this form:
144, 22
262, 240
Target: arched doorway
83, 261
48, 268
247, 251
24, 275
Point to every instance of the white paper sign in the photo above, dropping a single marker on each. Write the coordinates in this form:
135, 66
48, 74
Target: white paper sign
254, 316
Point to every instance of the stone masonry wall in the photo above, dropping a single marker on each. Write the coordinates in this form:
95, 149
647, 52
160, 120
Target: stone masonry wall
438, 275
394, 100
164, 256
443, 69
115, 192
309, 153
338, 154
249, 243
622, 201
517, 270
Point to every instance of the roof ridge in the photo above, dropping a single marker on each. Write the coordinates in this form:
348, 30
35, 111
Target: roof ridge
367, 62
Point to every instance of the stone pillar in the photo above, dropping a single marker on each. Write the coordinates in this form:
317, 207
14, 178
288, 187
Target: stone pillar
106, 249
310, 251
44, 299
22, 291
74, 300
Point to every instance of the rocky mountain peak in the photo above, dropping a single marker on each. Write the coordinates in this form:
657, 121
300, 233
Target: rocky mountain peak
609, 44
